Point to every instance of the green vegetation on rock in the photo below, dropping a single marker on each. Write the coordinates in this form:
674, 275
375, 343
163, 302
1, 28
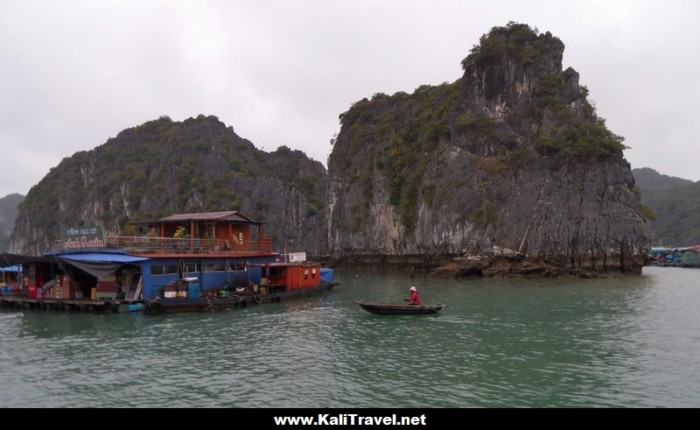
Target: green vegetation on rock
513, 104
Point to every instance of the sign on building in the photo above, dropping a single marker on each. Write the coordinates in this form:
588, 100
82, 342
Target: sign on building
296, 257
83, 237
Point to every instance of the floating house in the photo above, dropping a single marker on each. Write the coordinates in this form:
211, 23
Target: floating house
664, 256
690, 257
213, 251
8, 279
678, 257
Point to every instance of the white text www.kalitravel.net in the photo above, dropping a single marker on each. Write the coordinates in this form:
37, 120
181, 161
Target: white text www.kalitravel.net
350, 420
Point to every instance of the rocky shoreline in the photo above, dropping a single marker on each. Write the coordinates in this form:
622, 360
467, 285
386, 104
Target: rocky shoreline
508, 264
521, 266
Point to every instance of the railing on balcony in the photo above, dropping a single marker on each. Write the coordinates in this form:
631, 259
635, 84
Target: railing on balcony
169, 245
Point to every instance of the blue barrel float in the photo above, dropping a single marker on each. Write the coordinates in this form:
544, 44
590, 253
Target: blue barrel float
193, 288
327, 274
136, 307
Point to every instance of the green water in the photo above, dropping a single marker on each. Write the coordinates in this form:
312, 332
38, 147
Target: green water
631, 342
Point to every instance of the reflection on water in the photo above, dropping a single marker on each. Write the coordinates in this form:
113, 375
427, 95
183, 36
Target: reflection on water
629, 342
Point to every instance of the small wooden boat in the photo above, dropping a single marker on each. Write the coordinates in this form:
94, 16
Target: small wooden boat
399, 308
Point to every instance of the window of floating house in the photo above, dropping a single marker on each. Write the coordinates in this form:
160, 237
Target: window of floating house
191, 267
215, 267
163, 269
276, 271
230, 267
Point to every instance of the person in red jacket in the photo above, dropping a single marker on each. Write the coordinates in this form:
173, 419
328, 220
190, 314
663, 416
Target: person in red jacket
413, 298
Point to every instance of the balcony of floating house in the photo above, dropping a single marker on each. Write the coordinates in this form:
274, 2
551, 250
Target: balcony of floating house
226, 232
186, 245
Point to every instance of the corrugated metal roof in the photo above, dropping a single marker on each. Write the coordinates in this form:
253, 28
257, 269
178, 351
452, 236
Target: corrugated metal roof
210, 216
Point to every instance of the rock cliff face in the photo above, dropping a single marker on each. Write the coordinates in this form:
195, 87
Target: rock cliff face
673, 205
511, 159
164, 167
8, 214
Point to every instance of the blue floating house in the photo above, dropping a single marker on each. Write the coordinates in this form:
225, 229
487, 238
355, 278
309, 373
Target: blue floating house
210, 250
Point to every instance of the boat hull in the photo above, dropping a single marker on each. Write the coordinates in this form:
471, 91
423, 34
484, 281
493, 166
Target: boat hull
399, 309
205, 303
80, 305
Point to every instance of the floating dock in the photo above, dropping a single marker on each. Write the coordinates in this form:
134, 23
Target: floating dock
77, 305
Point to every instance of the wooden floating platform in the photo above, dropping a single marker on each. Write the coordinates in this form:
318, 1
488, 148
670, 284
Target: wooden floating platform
78, 305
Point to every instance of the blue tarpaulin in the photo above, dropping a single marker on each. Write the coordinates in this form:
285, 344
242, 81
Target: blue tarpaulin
103, 257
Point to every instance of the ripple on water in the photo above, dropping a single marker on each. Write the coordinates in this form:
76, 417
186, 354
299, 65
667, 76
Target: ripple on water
629, 342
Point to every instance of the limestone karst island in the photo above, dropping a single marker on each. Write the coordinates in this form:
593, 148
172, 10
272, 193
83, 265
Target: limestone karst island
507, 171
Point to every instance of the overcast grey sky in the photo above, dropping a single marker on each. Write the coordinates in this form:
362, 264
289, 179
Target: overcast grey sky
75, 73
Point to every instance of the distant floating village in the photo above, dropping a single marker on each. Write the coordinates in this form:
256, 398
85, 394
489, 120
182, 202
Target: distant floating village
677, 257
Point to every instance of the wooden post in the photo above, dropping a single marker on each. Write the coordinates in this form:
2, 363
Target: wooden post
522, 243
261, 238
